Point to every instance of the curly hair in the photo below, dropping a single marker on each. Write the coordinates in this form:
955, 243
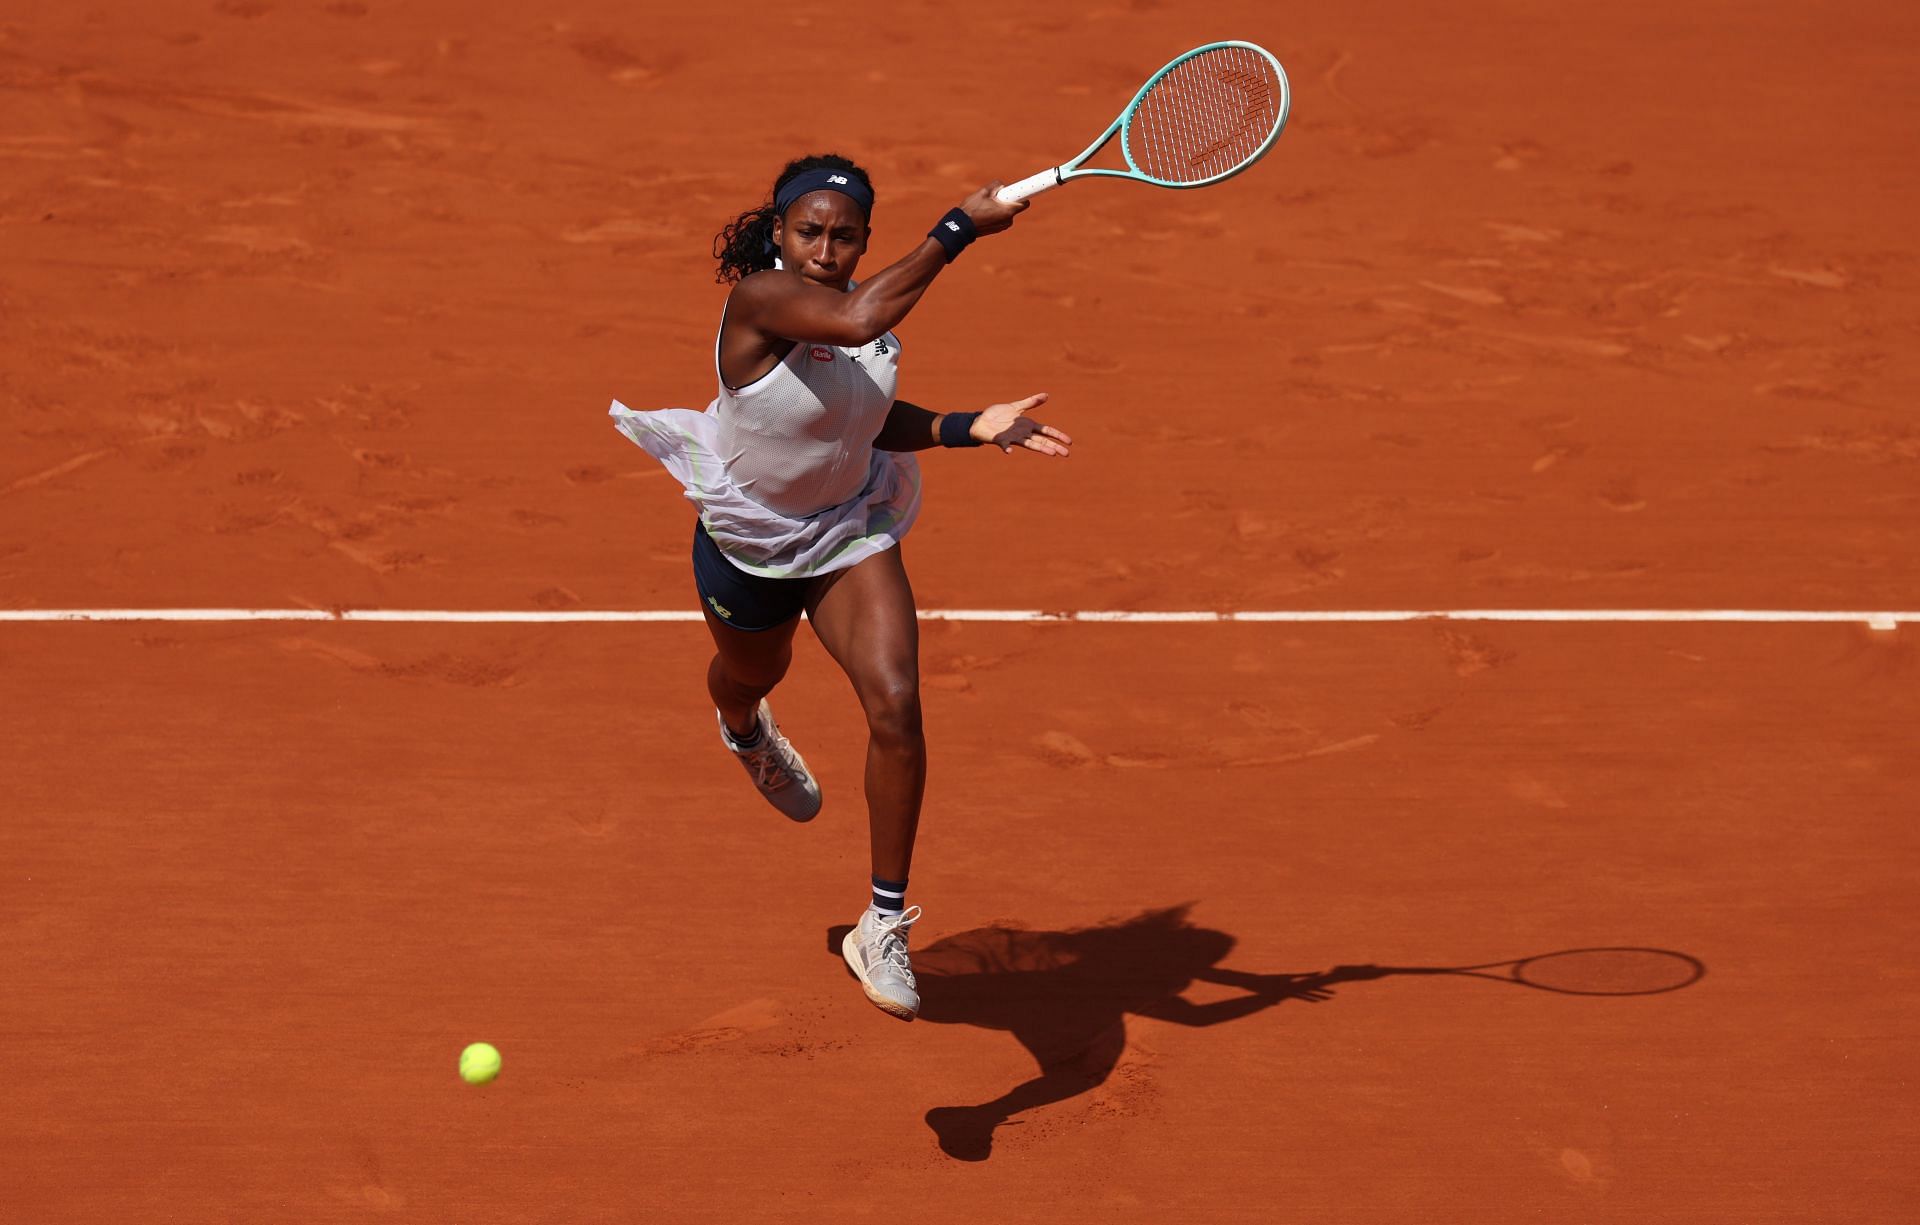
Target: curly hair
745, 246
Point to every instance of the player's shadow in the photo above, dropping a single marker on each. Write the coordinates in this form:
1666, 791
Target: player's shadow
1065, 996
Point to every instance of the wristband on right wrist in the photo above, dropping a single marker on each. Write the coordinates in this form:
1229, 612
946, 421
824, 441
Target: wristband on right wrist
953, 232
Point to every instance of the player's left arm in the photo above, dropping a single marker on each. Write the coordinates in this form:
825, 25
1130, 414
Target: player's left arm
909, 427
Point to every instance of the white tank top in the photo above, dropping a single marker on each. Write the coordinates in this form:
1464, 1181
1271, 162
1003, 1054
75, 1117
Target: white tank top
799, 439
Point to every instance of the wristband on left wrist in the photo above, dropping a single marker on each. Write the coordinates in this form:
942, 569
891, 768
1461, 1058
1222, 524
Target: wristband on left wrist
956, 430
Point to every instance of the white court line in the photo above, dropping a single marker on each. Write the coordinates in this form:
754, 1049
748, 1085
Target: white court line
1764, 616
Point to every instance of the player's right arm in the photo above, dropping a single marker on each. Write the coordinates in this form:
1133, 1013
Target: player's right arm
780, 304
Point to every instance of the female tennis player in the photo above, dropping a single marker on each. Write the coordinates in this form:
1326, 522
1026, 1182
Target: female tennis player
802, 473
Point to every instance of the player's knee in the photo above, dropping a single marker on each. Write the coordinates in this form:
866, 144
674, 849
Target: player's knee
749, 680
893, 710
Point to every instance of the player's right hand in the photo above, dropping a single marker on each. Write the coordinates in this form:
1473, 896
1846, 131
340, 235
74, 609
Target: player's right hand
988, 215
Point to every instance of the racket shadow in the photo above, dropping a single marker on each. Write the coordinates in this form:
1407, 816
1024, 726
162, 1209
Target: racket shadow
1065, 997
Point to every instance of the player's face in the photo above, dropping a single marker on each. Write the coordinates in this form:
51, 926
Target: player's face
822, 237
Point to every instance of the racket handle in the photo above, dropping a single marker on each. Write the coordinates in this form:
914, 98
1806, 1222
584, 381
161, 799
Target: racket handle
1032, 185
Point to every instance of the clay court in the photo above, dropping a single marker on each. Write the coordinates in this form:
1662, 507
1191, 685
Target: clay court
318, 307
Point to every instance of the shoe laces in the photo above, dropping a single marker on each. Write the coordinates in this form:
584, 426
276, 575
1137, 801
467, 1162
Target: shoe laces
768, 771
890, 943
770, 761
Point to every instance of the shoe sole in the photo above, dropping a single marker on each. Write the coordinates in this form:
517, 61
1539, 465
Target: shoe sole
810, 813
892, 1008
798, 818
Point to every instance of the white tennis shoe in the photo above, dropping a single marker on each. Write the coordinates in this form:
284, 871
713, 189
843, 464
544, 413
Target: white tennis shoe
776, 768
876, 952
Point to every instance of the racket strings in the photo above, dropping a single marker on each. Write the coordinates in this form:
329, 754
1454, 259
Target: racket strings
1206, 117
1619, 971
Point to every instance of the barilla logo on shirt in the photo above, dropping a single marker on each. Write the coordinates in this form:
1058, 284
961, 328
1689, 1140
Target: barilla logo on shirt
822, 354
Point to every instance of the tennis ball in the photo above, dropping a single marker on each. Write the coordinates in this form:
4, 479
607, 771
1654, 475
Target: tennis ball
479, 1064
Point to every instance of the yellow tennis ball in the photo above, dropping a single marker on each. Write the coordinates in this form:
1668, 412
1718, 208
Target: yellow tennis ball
479, 1064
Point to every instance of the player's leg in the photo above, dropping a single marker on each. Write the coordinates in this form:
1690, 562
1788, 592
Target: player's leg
746, 665
966, 1132
752, 621
865, 618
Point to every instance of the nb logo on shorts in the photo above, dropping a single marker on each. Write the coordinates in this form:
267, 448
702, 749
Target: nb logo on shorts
724, 614
837, 178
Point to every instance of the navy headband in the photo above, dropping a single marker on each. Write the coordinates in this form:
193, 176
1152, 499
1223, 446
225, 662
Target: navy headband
809, 181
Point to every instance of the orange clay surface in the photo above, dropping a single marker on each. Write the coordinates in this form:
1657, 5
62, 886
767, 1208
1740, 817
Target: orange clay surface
1534, 306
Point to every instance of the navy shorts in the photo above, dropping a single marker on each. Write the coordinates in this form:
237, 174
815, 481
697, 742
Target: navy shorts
744, 601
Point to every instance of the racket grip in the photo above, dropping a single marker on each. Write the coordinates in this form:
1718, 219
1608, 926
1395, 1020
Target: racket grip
1032, 185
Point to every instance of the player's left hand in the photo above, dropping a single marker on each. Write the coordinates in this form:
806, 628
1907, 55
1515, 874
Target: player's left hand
1007, 426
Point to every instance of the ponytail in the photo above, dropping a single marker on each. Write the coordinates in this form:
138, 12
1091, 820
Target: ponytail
746, 245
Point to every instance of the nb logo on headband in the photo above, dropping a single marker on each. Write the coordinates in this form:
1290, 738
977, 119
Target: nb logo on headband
837, 178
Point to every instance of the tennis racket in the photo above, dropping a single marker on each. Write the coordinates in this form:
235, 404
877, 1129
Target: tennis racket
1608, 971
1205, 117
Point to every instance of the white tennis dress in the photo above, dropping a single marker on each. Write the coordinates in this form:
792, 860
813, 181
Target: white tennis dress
784, 470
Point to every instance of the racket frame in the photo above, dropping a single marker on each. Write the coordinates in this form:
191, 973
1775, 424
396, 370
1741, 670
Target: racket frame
1049, 179
1515, 970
